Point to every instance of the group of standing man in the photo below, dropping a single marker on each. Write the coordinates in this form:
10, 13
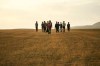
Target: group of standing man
46, 26
61, 26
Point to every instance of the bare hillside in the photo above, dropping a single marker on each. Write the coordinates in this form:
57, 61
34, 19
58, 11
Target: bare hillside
94, 26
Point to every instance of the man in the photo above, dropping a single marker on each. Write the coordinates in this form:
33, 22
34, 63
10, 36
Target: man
36, 26
56, 26
42, 25
60, 27
49, 27
64, 24
68, 26
45, 25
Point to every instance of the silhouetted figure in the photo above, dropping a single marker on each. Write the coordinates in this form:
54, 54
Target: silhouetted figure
60, 27
42, 25
36, 26
49, 26
68, 26
56, 26
64, 24
45, 26
51, 23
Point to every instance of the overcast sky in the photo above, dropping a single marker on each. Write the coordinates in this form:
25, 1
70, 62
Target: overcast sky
24, 13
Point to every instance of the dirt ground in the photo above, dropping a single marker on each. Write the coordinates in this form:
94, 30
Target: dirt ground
29, 48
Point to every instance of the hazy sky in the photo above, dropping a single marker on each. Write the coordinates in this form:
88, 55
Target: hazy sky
24, 13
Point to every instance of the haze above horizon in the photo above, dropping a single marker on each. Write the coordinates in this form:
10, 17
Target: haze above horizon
24, 13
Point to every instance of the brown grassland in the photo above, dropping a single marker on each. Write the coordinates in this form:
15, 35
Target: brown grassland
21, 47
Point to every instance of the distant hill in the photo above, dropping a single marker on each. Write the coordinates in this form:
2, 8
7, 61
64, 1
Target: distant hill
94, 26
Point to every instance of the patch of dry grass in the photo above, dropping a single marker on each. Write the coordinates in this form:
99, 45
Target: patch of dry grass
30, 48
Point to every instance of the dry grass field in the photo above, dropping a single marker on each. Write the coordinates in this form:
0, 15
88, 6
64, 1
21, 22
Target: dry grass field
30, 48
